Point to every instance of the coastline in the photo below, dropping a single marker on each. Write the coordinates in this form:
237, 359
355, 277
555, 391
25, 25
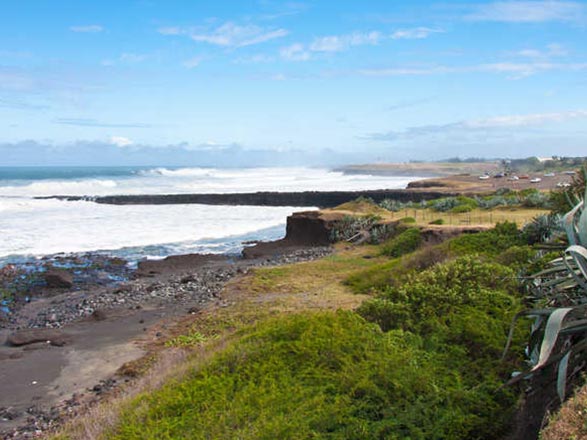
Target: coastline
100, 329
65, 350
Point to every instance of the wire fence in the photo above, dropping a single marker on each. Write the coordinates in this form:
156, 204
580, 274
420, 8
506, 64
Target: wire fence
465, 218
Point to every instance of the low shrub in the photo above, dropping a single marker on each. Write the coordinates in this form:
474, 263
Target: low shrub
379, 277
438, 221
516, 256
459, 209
490, 243
408, 220
406, 242
328, 375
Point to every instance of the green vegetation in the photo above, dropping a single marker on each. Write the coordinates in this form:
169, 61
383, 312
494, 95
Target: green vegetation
406, 242
193, 338
489, 243
504, 244
418, 358
558, 299
529, 198
324, 375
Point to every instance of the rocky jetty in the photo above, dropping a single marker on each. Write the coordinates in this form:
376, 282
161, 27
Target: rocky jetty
320, 199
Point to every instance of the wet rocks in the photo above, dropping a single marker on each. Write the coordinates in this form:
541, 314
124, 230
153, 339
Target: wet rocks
195, 288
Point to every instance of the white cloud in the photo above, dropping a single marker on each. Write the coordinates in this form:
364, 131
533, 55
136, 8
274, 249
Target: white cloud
295, 52
551, 50
228, 34
192, 63
529, 11
338, 43
525, 120
514, 70
406, 71
120, 141
414, 33
91, 28
496, 125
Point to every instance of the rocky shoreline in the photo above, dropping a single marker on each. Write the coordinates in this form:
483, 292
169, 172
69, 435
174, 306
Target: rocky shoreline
65, 321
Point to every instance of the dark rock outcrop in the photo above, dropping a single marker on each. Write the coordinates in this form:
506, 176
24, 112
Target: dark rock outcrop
303, 229
320, 199
58, 278
177, 264
31, 336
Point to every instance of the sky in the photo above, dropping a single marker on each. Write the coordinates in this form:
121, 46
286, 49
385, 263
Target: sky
174, 82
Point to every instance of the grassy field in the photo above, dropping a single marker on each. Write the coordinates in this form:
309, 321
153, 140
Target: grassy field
476, 217
423, 217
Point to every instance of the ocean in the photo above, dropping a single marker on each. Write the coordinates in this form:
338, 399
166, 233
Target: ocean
31, 228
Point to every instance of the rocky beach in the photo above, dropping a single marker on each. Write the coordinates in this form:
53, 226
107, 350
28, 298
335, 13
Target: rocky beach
63, 346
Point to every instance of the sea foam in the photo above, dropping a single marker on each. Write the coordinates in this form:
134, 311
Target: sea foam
30, 226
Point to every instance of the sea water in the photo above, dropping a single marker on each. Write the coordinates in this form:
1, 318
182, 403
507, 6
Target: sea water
31, 227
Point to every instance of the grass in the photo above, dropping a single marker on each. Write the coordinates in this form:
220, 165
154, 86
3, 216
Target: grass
426, 216
570, 422
423, 217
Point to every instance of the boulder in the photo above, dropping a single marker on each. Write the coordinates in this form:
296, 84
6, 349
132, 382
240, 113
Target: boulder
30, 336
58, 278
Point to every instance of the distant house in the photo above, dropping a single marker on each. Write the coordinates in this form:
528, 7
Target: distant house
545, 159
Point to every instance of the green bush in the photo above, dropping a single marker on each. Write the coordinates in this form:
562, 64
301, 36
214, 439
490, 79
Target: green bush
489, 243
516, 256
408, 220
438, 292
438, 221
459, 209
324, 376
406, 242
392, 273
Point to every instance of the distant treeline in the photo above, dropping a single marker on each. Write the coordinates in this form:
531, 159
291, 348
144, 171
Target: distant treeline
527, 164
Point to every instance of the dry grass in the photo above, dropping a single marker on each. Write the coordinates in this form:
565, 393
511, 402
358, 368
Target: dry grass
570, 423
476, 217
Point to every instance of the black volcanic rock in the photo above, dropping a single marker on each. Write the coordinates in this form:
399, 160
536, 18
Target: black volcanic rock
58, 278
320, 199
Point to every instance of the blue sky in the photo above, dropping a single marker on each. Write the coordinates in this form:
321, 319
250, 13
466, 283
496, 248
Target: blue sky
186, 81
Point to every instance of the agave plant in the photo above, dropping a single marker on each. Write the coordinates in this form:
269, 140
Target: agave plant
558, 336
